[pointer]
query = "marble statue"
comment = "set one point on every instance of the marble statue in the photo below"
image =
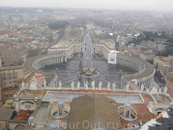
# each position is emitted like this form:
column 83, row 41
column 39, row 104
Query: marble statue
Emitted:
column 78, row 85
column 100, row 85
column 33, row 84
column 108, row 86
column 165, row 89
column 160, row 90
column 127, row 87
column 154, row 90
column 93, row 85
column 142, row 87
column 44, row 83
column 113, row 86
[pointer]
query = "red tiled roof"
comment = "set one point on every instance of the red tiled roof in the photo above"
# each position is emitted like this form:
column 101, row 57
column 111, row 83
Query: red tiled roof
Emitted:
column 2, row 44
column 23, row 115
column 128, row 124
column 39, row 76
column 26, row 74
column 28, row 39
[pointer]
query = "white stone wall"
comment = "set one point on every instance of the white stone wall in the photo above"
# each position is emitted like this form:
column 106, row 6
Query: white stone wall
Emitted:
column 13, row 125
column 112, row 58
column 24, row 104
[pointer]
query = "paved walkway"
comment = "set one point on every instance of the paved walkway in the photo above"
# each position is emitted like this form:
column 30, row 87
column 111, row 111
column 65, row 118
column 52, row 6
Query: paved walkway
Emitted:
column 42, row 115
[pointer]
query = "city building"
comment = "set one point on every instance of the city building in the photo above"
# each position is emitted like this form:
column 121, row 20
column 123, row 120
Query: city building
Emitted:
column 144, row 53
column 164, row 65
column 160, row 61
column 69, row 44
column 5, row 116
column 15, row 51
column 88, row 76
column 11, row 61
column 10, row 80
column 3, row 47
column 169, row 85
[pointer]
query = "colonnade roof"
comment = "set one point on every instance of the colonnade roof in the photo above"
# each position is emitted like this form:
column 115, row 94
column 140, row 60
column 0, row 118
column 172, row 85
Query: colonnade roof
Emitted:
column 148, row 70
column 28, row 64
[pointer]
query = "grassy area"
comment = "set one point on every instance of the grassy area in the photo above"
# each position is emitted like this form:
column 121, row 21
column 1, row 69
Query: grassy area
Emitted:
column 57, row 25
column 161, row 35
column 159, row 40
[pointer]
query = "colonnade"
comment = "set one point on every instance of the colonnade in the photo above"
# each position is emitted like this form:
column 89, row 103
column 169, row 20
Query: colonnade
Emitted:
column 145, row 71
column 48, row 60
column 131, row 62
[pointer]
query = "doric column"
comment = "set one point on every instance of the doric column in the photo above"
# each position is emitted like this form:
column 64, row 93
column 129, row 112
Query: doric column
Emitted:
column 62, row 59
column 17, row 104
column 65, row 59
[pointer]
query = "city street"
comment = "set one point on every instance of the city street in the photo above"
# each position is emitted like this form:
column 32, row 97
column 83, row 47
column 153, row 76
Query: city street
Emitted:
column 87, row 53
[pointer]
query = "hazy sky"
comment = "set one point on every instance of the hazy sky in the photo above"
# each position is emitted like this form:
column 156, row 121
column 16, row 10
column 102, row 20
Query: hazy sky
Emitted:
column 151, row 5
